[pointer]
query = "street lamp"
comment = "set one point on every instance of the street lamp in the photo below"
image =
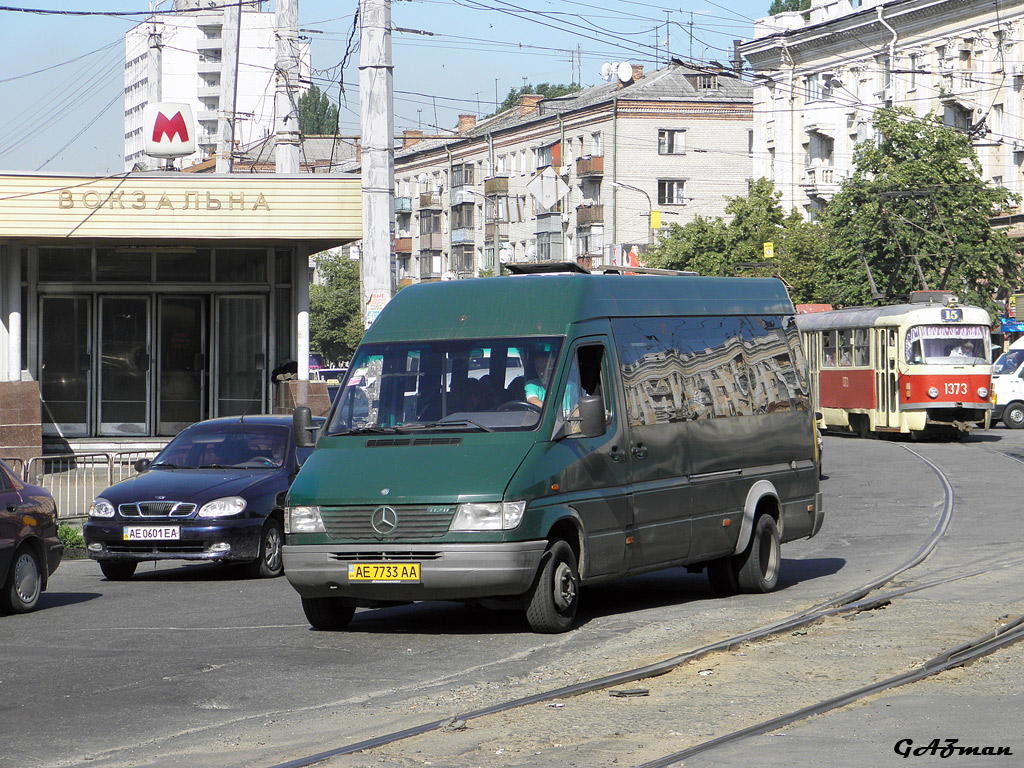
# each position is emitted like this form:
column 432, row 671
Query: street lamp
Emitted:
column 650, row 208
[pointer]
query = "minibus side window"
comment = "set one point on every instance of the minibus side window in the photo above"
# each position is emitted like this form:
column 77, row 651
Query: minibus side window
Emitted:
column 586, row 377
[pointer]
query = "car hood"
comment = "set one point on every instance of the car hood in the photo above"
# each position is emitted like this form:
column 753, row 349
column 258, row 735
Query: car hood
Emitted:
column 437, row 468
column 197, row 485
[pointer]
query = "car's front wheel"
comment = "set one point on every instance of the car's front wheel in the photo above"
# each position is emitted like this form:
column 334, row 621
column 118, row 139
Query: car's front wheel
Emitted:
column 328, row 614
column 24, row 583
column 117, row 571
column 270, row 562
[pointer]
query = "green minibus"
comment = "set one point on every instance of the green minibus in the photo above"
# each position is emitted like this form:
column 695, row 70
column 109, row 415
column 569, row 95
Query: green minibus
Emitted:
column 512, row 439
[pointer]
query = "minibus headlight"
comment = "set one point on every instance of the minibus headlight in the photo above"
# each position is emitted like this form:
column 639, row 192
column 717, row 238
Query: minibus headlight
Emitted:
column 303, row 520
column 229, row 505
column 933, row 392
column 100, row 507
column 488, row 516
column 982, row 392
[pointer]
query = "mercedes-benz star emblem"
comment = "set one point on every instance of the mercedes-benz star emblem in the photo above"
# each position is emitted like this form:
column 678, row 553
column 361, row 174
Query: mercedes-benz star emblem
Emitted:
column 384, row 520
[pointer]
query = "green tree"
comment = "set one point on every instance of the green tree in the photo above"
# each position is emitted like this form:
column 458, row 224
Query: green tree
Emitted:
column 317, row 115
column 714, row 247
column 779, row 6
column 547, row 90
column 335, row 317
column 916, row 199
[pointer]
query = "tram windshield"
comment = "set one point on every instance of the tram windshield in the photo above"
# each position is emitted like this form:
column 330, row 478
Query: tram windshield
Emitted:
column 948, row 345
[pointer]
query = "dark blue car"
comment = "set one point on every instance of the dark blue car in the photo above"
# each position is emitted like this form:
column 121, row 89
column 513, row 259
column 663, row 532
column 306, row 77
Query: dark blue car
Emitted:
column 216, row 492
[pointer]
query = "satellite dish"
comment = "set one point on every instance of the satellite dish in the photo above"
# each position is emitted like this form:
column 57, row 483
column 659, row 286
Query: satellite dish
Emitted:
column 625, row 72
column 606, row 71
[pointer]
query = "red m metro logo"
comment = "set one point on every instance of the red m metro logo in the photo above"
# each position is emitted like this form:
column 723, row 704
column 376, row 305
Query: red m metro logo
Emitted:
column 170, row 128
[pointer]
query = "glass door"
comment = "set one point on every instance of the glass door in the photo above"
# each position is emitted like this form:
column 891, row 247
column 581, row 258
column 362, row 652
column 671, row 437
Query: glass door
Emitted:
column 124, row 380
column 241, row 375
column 65, row 362
column 181, row 364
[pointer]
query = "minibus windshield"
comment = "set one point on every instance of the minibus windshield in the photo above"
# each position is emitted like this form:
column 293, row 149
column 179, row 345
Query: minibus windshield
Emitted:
column 948, row 345
column 1008, row 362
column 448, row 385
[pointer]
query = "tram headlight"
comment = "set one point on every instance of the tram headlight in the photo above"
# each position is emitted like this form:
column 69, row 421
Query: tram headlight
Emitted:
column 933, row 392
column 982, row 393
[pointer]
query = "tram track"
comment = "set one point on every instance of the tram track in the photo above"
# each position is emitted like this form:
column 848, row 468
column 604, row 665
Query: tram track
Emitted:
column 852, row 600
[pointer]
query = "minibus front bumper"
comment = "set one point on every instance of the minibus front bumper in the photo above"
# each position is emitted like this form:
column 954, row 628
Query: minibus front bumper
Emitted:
column 446, row 571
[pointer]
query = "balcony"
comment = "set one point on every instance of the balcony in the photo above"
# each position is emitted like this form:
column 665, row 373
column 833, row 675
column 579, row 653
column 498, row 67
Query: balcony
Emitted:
column 403, row 245
column 463, row 196
column 822, row 181
column 464, row 235
column 208, row 65
column 590, row 166
column 209, row 44
column 589, row 214
column 497, row 229
column 430, row 201
column 403, row 204
column 432, row 241
column 496, row 185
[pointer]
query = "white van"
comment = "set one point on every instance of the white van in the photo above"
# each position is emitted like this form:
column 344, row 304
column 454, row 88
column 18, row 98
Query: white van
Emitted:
column 1008, row 386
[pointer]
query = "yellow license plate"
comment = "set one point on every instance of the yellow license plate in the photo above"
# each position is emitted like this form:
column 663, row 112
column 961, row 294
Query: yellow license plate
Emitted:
column 384, row 572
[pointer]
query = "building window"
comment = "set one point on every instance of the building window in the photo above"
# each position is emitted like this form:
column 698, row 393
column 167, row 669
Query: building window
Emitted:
column 672, row 192
column 462, row 216
column 462, row 175
column 596, row 144
column 707, row 82
column 914, row 64
column 430, row 223
column 671, row 142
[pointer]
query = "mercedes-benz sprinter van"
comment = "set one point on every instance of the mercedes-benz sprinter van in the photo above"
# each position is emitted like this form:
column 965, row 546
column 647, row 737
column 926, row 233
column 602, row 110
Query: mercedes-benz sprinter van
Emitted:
column 624, row 424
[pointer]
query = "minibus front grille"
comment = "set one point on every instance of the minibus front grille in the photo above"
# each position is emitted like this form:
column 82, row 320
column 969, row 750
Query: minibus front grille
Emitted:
column 414, row 522
column 391, row 555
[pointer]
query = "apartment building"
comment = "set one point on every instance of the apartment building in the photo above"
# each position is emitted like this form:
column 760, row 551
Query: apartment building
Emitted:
column 575, row 177
column 820, row 75
column 191, row 72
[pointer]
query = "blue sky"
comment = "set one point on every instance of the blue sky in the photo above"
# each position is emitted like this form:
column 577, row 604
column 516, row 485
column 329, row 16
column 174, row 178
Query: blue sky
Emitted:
column 61, row 76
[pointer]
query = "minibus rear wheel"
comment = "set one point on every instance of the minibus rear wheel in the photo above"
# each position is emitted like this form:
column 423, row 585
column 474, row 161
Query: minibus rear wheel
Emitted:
column 759, row 564
column 555, row 594
column 328, row 614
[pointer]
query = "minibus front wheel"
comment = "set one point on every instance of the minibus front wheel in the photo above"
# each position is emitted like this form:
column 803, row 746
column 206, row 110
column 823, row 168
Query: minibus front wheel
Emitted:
column 556, row 591
column 758, row 566
column 327, row 614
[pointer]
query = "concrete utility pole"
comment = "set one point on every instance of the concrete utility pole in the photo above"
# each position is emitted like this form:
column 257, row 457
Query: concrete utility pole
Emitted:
column 377, row 126
column 154, row 61
column 231, row 32
column 286, row 143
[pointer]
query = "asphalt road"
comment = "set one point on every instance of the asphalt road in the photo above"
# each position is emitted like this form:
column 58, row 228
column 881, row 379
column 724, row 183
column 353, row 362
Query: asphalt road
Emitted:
column 196, row 665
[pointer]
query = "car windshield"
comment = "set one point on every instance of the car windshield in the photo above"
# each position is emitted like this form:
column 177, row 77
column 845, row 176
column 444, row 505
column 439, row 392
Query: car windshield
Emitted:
column 948, row 345
column 1009, row 361
column 219, row 445
column 449, row 385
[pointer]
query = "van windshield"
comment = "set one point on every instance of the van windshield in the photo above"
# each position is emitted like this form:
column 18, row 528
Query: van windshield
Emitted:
column 448, row 385
column 1009, row 362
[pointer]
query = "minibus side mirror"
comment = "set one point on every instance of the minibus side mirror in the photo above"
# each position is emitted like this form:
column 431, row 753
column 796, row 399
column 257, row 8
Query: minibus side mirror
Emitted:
column 302, row 426
column 592, row 419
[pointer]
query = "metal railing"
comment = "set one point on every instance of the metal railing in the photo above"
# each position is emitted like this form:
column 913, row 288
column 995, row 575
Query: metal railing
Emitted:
column 75, row 479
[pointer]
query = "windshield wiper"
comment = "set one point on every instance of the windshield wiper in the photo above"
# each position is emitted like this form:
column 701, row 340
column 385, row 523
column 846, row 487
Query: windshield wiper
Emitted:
column 165, row 465
column 448, row 423
column 367, row 431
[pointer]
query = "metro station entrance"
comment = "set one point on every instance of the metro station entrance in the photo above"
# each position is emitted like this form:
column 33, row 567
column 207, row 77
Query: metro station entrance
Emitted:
column 146, row 359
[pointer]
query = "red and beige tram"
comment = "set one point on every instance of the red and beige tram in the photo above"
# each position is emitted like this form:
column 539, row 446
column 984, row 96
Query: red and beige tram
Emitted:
column 907, row 368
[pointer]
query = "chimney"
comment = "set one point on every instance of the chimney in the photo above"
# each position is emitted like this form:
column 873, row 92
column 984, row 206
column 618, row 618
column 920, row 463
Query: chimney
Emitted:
column 528, row 103
column 466, row 123
column 638, row 71
column 411, row 137
column 359, row 150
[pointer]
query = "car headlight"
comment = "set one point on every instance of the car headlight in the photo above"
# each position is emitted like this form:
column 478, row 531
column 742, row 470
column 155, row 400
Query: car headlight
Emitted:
column 229, row 505
column 933, row 392
column 100, row 507
column 303, row 520
column 982, row 392
column 488, row 516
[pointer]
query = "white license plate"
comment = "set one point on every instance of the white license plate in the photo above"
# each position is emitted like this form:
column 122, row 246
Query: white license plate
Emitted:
column 152, row 532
